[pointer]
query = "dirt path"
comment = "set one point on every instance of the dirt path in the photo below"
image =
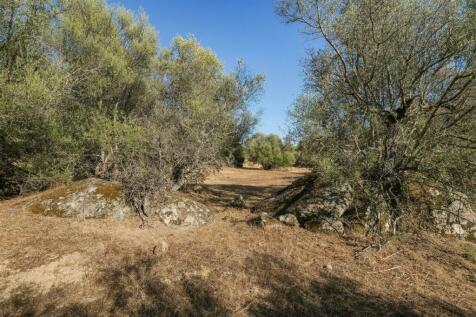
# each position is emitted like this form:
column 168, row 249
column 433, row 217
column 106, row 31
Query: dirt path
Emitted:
column 252, row 183
column 65, row 267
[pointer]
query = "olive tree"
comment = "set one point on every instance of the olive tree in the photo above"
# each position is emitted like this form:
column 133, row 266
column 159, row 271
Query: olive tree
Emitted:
column 391, row 93
column 269, row 151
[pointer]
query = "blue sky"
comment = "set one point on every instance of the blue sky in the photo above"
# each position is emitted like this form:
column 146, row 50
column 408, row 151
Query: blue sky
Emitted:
column 235, row 29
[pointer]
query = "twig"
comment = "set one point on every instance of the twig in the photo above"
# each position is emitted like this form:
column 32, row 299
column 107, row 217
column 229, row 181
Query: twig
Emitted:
column 244, row 308
column 390, row 269
column 388, row 257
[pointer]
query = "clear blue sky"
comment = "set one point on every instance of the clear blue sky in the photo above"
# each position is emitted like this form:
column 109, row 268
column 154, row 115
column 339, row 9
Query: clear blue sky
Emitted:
column 235, row 29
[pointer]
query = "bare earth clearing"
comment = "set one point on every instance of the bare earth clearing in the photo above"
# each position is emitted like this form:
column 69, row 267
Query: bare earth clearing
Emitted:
column 64, row 267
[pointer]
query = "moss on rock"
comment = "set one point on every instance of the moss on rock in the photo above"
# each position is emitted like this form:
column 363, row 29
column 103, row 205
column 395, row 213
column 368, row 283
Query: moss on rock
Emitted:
column 90, row 198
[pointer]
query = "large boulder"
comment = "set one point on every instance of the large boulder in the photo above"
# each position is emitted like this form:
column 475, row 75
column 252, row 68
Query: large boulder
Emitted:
column 180, row 212
column 315, row 205
column 90, row 198
column 331, row 202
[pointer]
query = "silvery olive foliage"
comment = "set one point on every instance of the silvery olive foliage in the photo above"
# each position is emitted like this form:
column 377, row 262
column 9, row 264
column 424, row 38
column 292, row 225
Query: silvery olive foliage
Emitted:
column 391, row 94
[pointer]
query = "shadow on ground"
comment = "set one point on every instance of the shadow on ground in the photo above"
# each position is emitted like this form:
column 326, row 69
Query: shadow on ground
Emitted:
column 290, row 294
column 133, row 287
column 221, row 194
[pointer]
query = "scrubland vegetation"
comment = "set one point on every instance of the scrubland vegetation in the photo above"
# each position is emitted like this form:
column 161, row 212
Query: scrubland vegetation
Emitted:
column 86, row 91
column 373, row 214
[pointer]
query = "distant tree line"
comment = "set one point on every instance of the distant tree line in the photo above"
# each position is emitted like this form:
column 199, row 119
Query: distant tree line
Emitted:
column 86, row 91
column 270, row 151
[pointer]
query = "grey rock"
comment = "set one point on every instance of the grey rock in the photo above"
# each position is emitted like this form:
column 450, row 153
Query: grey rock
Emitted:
column 331, row 202
column 265, row 221
column 310, row 199
column 163, row 246
column 160, row 247
column 91, row 198
column 197, row 188
column 316, row 206
column 238, row 202
column 289, row 219
column 472, row 232
column 184, row 212
column 325, row 224
column 456, row 218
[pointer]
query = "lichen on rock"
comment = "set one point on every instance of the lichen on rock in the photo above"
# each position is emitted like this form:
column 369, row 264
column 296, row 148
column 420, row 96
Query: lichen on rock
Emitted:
column 180, row 212
column 90, row 198
column 321, row 206
column 316, row 206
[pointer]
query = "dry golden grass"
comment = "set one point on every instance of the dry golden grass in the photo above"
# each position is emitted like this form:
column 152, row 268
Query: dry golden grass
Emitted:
column 102, row 267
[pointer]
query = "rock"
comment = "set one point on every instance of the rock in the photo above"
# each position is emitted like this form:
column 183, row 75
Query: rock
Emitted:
column 90, row 198
column 450, row 211
column 278, row 203
column 457, row 230
column 289, row 219
column 455, row 218
column 265, row 221
column 197, row 188
column 307, row 198
column 238, row 202
column 325, row 224
column 162, row 246
column 472, row 233
column 317, row 206
column 182, row 212
column 332, row 201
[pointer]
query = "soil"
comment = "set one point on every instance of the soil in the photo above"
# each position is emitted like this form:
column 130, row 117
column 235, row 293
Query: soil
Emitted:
column 53, row 266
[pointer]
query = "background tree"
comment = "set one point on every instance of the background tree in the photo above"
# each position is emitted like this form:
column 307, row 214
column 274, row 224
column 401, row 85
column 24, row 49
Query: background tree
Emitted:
column 392, row 93
column 269, row 151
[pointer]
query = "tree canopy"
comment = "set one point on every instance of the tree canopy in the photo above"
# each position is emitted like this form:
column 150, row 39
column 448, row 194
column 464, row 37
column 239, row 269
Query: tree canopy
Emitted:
column 85, row 90
column 391, row 94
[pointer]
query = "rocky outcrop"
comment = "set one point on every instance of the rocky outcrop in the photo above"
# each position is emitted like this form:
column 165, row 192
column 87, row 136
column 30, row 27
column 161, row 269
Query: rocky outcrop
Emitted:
column 320, row 206
column 90, row 198
column 314, row 205
column 96, row 198
column 180, row 212
column 456, row 217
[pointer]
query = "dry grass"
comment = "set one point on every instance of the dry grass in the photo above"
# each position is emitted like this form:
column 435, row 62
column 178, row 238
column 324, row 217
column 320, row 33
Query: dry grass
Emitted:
column 224, row 269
